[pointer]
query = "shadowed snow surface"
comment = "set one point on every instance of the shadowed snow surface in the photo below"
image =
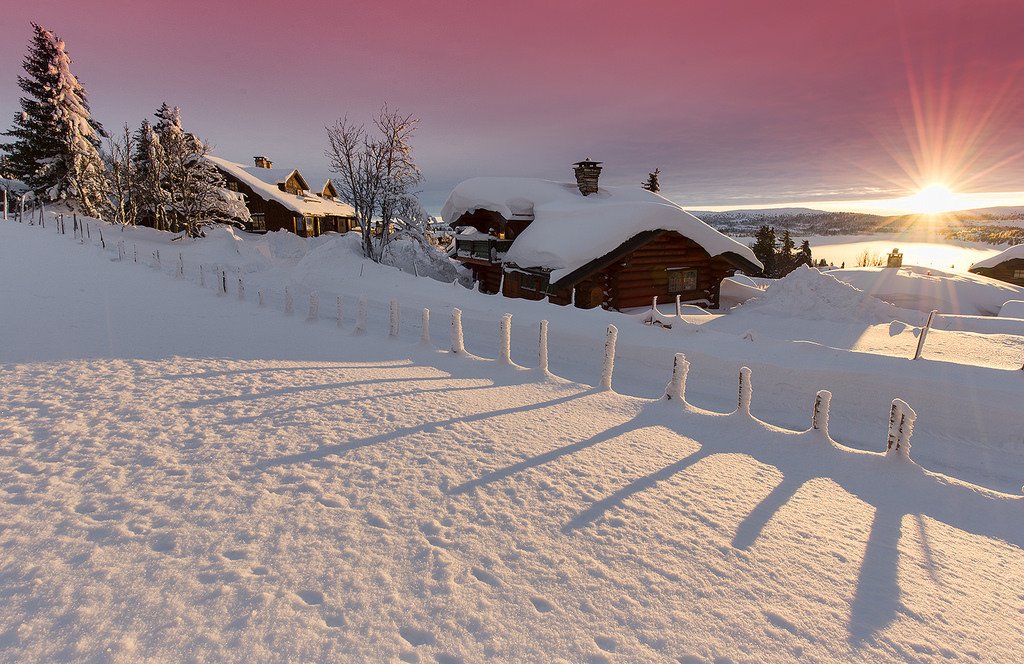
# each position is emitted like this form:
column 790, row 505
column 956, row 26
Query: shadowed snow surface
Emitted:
column 187, row 476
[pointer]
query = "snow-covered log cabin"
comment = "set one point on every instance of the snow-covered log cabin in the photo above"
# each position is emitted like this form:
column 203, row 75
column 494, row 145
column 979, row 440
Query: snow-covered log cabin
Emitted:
column 281, row 199
column 583, row 244
column 1007, row 266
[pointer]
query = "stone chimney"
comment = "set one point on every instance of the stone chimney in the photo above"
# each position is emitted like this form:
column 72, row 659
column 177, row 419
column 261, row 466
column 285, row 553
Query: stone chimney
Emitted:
column 587, row 174
column 263, row 162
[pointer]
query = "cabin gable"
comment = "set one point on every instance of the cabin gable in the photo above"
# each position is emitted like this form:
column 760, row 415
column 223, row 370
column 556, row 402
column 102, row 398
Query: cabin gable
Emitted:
column 1011, row 271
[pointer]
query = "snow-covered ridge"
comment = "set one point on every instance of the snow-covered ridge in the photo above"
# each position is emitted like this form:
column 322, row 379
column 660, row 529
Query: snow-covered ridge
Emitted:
column 264, row 182
column 569, row 229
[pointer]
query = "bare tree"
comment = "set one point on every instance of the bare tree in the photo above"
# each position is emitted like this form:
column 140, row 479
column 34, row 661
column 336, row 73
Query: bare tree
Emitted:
column 123, row 179
column 375, row 172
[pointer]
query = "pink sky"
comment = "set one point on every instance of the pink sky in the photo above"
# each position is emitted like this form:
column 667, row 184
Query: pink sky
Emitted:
column 738, row 103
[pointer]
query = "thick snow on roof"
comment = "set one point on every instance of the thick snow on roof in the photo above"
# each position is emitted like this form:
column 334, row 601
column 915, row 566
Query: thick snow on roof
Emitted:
column 570, row 230
column 264, row 181
column 1016, row 251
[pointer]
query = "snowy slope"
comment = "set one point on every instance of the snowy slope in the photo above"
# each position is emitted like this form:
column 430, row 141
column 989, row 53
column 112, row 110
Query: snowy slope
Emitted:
column 190, row 476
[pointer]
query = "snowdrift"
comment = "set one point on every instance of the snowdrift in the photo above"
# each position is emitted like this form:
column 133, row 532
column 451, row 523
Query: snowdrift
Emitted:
column 925, row 289
column 809, row 293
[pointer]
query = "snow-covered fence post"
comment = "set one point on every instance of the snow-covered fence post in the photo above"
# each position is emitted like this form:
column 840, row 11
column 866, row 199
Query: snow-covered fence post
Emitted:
column 314, row 307
column 679, row 306
column 458, row 340
column 654, row 303
column 156, row 257
column 338, row 311
column 901, row 426
column 241, row 289
column 394, row 318
column 361, row 315
column 924, row 333
column 103, row 244
column 425, row 327
column 42, row 215
column 181, row 267
column 289, row 303
column 819, row 416
column 260, row 298
column 609, row 357
column 506, row 339
column 542, row 348
column 676, row 389
column 88, row 231
column 745, row 392
column 224, row 281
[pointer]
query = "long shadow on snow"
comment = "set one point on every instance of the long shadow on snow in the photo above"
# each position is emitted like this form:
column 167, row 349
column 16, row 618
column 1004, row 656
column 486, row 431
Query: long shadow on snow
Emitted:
column 341, row 448
column 895, row 488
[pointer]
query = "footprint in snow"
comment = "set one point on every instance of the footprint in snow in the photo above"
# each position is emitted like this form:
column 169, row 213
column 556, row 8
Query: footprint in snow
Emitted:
column 416, row 637
column 234, row 554
column 542, row 605
column 606, row 643
column 377, row 521
column 311, row 597
column 329, row 502
column 484, row 576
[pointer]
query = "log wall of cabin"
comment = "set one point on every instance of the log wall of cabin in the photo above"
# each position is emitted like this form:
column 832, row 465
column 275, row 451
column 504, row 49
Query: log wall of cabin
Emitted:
column 276, row 216
column 487, row 276
column 633, row 280
column 1004, row 271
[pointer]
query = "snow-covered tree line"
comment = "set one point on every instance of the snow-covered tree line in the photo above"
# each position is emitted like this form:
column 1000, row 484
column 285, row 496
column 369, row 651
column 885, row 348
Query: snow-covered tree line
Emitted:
column 158, row 174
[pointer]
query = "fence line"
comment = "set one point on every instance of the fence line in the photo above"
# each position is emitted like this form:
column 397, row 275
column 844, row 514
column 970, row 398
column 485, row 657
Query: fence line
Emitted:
column 902, row 417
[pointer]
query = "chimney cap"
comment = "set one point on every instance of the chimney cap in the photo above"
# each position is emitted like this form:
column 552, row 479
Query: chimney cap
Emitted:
column 588, row 162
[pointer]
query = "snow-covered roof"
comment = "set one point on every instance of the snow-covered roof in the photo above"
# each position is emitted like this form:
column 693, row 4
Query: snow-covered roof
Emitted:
column 569, row 230
column 263, row 181
column 1016, row 251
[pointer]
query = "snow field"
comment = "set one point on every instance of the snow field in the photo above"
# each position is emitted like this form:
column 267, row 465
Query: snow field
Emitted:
column 195, row 477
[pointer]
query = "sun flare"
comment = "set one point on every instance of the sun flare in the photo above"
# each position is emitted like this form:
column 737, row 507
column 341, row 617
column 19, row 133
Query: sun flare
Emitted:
column 934, row 198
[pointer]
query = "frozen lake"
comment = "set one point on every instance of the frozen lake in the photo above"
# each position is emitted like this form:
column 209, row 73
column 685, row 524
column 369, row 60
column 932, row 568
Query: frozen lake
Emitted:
column 919, row 248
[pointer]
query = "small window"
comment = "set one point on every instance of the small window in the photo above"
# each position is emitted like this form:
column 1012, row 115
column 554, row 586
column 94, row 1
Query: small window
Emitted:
column 232, row 186
column 259, row 221
column 1018, row 274
column 531, row 282
column 681, row 281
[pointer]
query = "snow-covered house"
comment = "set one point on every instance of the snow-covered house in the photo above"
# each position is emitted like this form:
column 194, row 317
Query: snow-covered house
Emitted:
column 1007, row 266
column 578, row 242
column 281, row 199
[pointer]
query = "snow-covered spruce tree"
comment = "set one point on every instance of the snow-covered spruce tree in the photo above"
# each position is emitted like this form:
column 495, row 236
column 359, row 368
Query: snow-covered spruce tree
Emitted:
column 150, row 196
column 196, row 192
column 374, row 173
column 56, row 147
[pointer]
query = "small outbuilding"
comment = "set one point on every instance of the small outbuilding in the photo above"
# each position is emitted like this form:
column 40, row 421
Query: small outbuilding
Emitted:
column 281, row 199
column 591, row 246
column 1007, row 266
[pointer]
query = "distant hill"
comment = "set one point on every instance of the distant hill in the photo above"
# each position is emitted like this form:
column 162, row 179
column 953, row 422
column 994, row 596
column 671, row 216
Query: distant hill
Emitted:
column 981, row 225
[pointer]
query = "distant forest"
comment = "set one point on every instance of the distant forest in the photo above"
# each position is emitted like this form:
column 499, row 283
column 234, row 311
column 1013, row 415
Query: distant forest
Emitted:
column 975, row 226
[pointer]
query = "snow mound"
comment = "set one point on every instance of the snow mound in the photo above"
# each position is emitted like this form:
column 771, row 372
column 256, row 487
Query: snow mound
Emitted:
column 925, row 289
column 808, row 293
column 1012, row 309
column 414, row 257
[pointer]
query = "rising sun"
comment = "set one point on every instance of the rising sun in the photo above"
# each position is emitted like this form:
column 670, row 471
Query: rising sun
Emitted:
column 934, row 198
